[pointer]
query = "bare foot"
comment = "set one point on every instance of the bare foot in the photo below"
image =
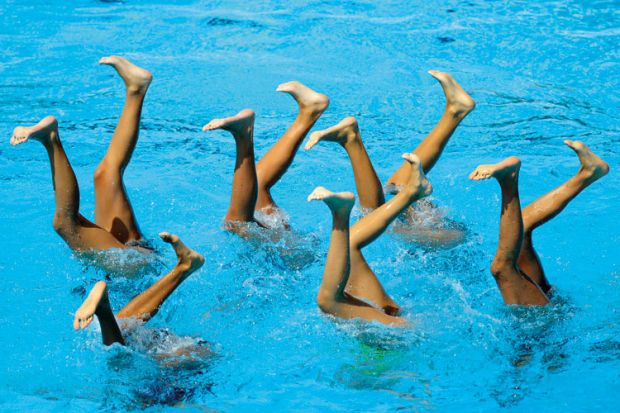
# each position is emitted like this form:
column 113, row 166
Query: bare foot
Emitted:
column 309, row 101
column 336, row 201
column 241, row 125
column 189, row 260
column 97, row 299
column 417, row 183
column 345, row 132
column 457, row 100
column 43, row 131
column 508, row 168
column 592, row 167
column 137, row 80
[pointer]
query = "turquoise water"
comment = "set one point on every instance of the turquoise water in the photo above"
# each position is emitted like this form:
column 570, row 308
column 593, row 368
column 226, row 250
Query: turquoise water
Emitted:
column 539, row 73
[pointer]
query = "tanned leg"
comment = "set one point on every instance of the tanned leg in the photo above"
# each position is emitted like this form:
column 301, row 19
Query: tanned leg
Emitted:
column 458, row 105
column 98, row 304
column 516, row 287
column 276, row 161
column 113, row 210
column 77, row 231
column 146, row 305
column 332, row 298
column 347, row 134
column 244, row 190
column 551, row 204
column 363, row 283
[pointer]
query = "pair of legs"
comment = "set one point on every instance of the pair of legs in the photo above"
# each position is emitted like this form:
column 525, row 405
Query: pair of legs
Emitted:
column 345, row 247
column 362, row 280
column 516, row 267
column 252, row 182
column 115, row 223
column 145, row 305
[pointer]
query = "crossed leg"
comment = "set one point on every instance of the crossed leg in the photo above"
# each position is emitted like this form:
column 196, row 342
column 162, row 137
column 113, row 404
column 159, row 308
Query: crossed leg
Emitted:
column 277, row 160
column 145, row 305
column 113, row 210
column 363, row 282
column 515, row 286
column 332, row 298
column 551, row 204
column 78, row 232
column 355, row 280
column 251, row 182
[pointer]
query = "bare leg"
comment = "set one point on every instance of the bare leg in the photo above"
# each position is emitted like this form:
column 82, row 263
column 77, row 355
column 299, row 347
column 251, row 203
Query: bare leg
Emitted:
column 98, row 304
column 516, row 287
column 347, row 134
column 113, row 210
column 76, row 230
column 244, row 190
column 146, row 305
column 363, row 283
column 458, row 105
column 276, row 161
column 551, row 204
column 332, row 297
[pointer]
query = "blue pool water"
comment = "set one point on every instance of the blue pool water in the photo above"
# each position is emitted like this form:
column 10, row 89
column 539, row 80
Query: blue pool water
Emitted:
column 539, row 71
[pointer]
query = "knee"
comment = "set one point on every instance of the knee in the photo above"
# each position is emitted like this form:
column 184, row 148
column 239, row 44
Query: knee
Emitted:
column 61, row 224
column 324, row 301
column 106, row 172
column 500, row 267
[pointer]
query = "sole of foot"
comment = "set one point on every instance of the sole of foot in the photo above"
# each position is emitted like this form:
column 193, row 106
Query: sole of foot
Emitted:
column 86, row 313
column 592, row 166
column 241, row 122
column 189, row 259
column 457, row 100
column 509, row 167
column 308, row 99
column 345, row 131
column 41, row 131
column 136, row 79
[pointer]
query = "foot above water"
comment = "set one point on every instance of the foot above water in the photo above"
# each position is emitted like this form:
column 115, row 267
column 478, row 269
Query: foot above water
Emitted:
column 509, row 167
column 239, row 125
column 42, row 131
column 346, row 131
column 457, row 100
column 137, row 80
column 309, row 100
column 592, row 166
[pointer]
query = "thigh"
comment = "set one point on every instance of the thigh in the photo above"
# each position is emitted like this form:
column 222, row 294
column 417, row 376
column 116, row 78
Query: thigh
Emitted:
column 113, row 210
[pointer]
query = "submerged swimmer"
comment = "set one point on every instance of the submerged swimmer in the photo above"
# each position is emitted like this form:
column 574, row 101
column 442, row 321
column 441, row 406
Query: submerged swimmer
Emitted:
column 144, row 306
column 252, row 182
column 369, row 189
column 115, row 224
column 516, row 267
column 350, row 289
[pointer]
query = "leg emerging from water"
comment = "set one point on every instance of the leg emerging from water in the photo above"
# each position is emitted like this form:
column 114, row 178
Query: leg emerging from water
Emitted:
column 276, row 161
column 363, row 283
column 347, row 134
column 516, row 287
column 458, row 105
column 113, row 211
column 245, row 186
column 146, row 305
column 551, row 204
column 332, row 297
column 98, row 304
column 76, row 230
